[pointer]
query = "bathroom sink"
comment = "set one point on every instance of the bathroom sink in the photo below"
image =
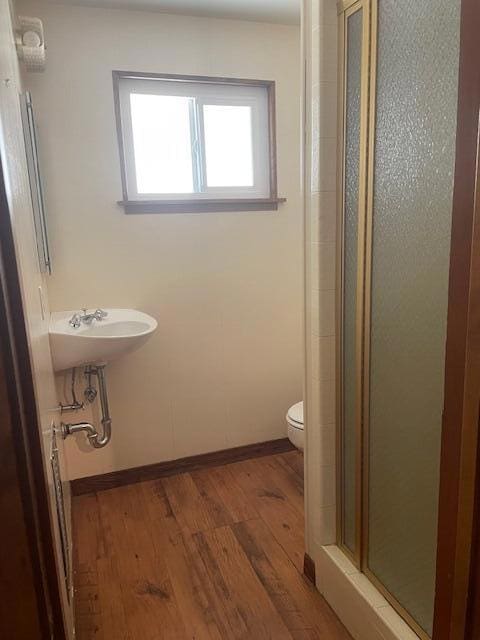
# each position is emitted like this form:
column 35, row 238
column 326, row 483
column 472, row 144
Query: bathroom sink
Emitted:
column 122, row 330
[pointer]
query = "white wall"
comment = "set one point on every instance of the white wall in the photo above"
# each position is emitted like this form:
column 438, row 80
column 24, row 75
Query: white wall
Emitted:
column 14, row 166
column 226, row 288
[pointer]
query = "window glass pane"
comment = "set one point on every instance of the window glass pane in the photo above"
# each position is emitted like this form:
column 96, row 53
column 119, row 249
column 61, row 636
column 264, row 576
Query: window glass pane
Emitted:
column 162, row 143
column 228, row 145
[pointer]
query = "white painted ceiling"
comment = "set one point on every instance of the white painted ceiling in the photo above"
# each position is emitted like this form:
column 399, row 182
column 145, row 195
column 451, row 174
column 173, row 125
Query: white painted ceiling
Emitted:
column 279, row 11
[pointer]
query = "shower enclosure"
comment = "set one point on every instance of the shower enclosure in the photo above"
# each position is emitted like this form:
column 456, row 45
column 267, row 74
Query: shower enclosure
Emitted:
column 398, row 109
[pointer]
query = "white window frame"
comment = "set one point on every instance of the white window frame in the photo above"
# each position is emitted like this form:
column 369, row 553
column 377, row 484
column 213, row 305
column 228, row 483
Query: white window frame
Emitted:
column 259, row 95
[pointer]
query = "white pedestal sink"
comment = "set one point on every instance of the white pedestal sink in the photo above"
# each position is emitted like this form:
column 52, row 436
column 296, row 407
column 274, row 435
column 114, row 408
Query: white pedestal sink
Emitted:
column 122, row 330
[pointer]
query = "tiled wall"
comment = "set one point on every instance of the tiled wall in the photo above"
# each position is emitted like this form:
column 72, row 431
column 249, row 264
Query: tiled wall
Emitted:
column 320, row 43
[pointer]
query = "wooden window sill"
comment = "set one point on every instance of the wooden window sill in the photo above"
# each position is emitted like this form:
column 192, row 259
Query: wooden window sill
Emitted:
column 201, row 206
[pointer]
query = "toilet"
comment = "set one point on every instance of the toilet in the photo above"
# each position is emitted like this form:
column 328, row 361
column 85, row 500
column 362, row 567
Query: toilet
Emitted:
column 295, row 425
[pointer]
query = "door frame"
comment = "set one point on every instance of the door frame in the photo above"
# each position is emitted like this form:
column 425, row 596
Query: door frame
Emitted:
column 30, row 596
column 459, row 465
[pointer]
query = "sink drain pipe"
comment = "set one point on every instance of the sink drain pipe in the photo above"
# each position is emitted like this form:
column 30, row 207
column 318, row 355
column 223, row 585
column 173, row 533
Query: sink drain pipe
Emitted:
column 96, row 440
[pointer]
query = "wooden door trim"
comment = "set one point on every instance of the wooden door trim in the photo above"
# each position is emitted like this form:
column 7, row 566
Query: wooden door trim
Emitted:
column 459, row 461
column 473, row 604
column 16, row 372
column 20, row 612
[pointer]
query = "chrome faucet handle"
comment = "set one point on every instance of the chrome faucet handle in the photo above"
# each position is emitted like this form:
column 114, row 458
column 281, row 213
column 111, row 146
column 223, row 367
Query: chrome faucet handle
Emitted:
column 87, row 318
column 100, row 314
column 75, row 321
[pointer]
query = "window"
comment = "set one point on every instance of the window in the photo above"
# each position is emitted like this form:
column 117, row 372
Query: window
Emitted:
column 195, row 144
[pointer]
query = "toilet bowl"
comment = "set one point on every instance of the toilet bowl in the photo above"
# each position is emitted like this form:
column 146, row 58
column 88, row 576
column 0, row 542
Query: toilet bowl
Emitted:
column 295, row 425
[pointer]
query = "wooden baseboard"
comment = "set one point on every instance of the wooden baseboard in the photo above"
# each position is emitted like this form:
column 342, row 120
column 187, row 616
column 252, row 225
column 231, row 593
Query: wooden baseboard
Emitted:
column 173, row 467
column 309, row 569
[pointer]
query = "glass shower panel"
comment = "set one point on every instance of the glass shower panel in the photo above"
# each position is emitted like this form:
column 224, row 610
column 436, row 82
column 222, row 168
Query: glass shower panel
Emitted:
column 416, row 110
column 353, row 76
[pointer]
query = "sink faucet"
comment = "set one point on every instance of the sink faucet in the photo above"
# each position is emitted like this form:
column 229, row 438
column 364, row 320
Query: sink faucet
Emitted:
column 86, row 318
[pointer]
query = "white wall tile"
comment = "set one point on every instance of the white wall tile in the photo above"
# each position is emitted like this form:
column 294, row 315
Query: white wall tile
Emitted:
column 314, row 15
column 323, row 474
column 323, row 216
column 324, row 59
column 323, row 262
column 321, row 239
column 327, row 525
column 323, row 357
column 324, row 169
column 323, row 312
column 324, row 110
column 326, row 401
column 327, row 444
column 324, row 12
column 327, row 486
column 328, row 164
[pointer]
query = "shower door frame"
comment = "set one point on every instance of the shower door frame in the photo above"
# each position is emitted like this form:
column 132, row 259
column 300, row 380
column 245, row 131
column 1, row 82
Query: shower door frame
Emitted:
column 455, row 600
column 363, row 301
column 347, row 8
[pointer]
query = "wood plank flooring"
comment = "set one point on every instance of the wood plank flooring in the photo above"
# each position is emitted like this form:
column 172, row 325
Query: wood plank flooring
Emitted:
column 211, row 555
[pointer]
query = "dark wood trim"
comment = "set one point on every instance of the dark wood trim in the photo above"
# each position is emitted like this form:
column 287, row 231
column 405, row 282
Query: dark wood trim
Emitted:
column 272, row 139
column 175, row 467
column 199, row 205
column 26, row 456
column 473, row 606
column 116, row 76
column 309, row 570
column 176, row 77
column 20, row 610
column 459, row 463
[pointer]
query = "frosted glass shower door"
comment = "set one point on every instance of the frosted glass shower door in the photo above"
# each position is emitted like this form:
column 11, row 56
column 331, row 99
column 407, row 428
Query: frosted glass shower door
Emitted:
column 413, row 120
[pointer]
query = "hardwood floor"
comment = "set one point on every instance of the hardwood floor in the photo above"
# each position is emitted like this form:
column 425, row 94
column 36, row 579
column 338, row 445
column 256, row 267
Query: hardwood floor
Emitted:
column 211, row 555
